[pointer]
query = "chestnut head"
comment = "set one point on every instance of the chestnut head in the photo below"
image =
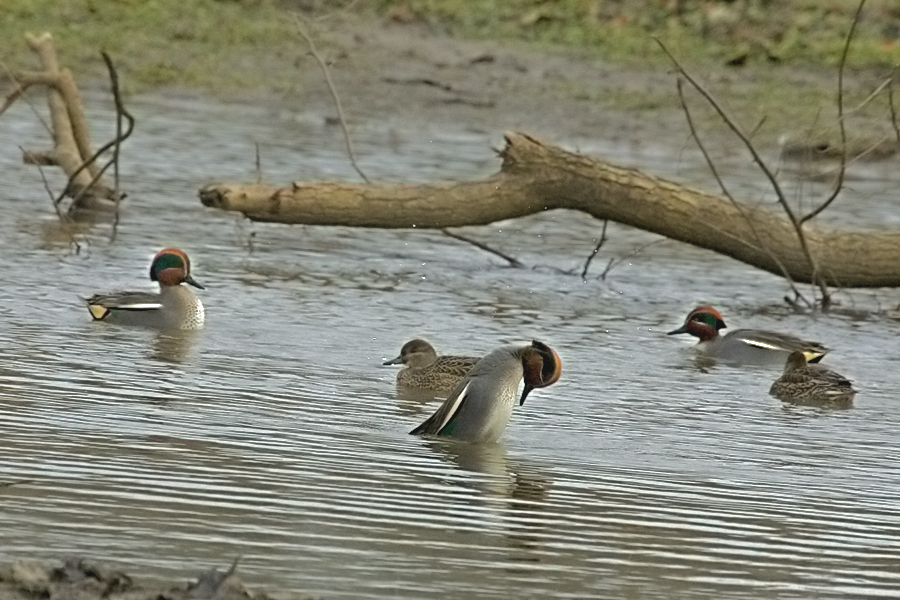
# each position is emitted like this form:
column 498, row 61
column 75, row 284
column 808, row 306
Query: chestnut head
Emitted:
column 703, row 322
column 541, row 365
column 171, row 267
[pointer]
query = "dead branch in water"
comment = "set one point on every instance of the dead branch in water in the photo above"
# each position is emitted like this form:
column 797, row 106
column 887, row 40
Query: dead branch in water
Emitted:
column 796, row 222
column 72, row 150
column 121, row 136
column 590, row 258
column 535, row 177
column 724, row 188
column 757, row 159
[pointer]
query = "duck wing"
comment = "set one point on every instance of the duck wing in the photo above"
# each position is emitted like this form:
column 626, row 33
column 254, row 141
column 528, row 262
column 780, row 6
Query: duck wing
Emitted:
column 825, row 377
column 455, row 365
column 772, row 340
column 101, row 305
column 444, row 415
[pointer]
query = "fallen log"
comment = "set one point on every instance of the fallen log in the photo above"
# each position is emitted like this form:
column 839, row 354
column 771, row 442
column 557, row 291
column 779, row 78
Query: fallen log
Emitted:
column 535, row 177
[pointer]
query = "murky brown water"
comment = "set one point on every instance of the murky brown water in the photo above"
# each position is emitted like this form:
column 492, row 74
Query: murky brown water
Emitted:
column 275, row 434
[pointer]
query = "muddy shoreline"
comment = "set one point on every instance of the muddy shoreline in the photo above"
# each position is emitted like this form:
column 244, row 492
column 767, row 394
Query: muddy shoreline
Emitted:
column 393, row 72
column 82, row 579
column 412, row 72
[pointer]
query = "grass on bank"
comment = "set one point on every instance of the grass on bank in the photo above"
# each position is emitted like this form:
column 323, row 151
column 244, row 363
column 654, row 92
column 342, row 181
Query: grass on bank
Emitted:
column 214, row 44
column 206, row 44
column 233, row 45
column 794, row 31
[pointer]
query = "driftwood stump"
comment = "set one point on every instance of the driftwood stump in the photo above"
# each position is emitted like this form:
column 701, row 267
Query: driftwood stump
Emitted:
column 72, row 150
column 536, row 177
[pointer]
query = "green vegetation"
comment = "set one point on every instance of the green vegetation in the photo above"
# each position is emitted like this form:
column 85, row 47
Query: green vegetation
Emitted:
column 202, row 43
column 234, row 45
column 808, row 31
column 218, row 44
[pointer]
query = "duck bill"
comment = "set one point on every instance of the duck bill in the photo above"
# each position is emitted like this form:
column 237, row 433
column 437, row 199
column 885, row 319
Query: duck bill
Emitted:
column 393, row 361
column 682, row 329
column 190, row 281
column 525, row 392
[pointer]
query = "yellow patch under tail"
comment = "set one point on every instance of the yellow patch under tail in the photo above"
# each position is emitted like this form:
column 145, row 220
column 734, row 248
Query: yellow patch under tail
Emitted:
column 813, row 355
column 98, row 312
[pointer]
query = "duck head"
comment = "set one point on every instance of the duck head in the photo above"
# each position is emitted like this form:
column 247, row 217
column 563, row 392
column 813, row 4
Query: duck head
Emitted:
column 415, row 353
column 172, row 266
column 795, row 360
column 703, row 322
column 542, row 367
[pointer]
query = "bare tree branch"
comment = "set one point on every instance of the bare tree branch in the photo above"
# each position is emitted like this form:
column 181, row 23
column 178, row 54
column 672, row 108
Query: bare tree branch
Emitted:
column 120, row 137
column 782, row 199
column 513, row 262
column 839, row 184
column 334, row 96
column 587, row 262
column 114, row 143
column 64, row 219
column 893, row 110
column 614, row 262
column 712, row 167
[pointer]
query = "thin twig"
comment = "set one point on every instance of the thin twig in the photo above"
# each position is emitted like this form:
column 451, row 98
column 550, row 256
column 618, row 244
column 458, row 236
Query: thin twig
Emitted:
column 614, row 262
column 334, row 96
column 839, row 184
column 65, row 220
column 679, row 84
column 587, row 262
column 20, row 91
column 117, row 142
column 893, row 110
column 759, row 125
column 121, row 111
column 513, row 262
column 14, row 95
column 868, row 98
column 259, row 175
column 350, row 6
column 782, row 200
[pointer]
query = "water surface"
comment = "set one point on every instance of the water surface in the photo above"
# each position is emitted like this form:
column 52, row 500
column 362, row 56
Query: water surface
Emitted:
column 276, row 434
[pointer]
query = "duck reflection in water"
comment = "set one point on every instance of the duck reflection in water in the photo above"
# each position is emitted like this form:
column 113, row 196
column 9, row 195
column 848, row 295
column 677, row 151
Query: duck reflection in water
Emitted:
column 518, row 491
column 175, row 346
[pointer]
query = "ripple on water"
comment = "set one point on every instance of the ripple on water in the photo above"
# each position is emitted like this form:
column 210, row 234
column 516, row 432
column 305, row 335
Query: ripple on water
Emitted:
column 277, row 435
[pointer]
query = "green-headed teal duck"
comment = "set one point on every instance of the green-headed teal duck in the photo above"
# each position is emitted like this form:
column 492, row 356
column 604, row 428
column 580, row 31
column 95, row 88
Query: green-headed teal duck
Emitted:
column 743, row 345
column 425, row 370
column 803, row 383
column 174, row 307
column 480, row 406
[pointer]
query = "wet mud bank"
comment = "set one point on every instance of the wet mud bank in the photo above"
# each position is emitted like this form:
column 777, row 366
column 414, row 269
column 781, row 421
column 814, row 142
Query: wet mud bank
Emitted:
column 80, row 579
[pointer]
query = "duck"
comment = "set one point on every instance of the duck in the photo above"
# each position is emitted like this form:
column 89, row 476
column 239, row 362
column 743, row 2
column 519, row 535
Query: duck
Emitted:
column 812, row 384
column 478, row 409
column 425, row 370
column 748, row 346
column 174, row 307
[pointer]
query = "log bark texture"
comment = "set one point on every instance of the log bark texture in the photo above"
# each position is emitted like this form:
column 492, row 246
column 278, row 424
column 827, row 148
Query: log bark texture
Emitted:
column 536, row 177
